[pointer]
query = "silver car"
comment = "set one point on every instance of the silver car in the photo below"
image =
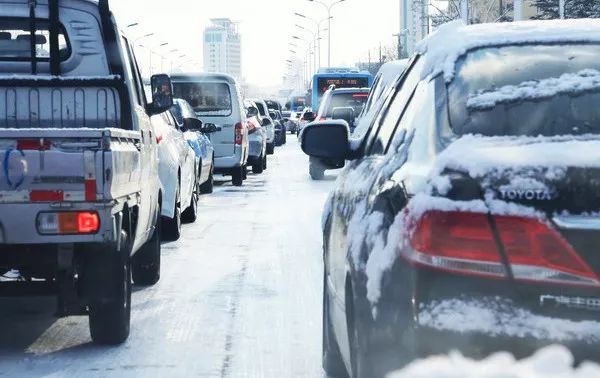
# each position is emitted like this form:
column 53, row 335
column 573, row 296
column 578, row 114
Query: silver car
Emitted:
column 216, row 99
column 267, row 123
column 257, row 136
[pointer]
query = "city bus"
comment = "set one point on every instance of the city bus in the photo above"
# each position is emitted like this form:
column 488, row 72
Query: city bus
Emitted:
column 341, row 78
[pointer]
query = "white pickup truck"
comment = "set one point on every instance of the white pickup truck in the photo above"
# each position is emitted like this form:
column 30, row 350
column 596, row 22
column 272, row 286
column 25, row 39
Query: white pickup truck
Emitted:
column 79, row 189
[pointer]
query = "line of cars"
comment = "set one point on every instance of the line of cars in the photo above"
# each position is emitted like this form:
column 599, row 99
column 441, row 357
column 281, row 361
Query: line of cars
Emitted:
column 97, row 168
column 467, row 215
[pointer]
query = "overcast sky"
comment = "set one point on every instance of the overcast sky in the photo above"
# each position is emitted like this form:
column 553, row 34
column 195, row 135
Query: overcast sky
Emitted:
column 267, row 27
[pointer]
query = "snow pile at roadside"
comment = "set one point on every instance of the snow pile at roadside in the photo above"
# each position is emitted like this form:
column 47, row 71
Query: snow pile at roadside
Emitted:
column 452, row 40
column 551, row 362
column 569, row 83
column 496, row 316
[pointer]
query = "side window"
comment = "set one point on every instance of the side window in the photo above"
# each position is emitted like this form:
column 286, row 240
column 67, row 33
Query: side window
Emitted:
column 128, row 71
column 137, row 75
column 390, row 117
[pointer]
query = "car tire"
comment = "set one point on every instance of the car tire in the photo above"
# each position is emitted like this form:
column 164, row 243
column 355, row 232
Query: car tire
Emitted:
column 209, row 185
column 270, row 148
column 245, row 173
column 190, row 214
column 172, row 226
column 265, row 163
column 145, row 265
column 333, row 364
column 258, row 166
column 110, row 320
column 237, row 177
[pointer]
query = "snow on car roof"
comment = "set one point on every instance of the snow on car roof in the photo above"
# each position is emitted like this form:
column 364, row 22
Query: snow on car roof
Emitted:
column 452, row 40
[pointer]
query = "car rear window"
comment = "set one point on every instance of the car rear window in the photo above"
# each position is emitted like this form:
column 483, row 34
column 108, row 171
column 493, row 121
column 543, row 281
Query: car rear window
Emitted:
column 207, row 99
column 355, row 100
column 15, row 40
column 527, row 90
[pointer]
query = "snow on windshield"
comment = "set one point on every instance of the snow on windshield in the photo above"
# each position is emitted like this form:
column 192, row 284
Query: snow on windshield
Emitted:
column 572, row 84
column 452, row 40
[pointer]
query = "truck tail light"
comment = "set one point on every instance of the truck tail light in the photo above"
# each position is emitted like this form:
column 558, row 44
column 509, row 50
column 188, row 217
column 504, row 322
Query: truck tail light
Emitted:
column 68, row 223
column 464, row 243
column 239, row 133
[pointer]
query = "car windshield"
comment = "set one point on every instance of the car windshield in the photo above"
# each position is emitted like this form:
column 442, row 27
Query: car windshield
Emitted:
column 528, row 90
column 355, row 100
column 207, row 99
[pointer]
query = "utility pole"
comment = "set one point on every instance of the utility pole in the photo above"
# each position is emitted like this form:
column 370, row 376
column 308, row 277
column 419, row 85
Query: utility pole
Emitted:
column 518, row 11
column 561, row 9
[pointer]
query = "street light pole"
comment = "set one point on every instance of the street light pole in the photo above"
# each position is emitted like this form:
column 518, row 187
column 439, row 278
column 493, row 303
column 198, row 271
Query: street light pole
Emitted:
column 328, row 8
column 319, row 29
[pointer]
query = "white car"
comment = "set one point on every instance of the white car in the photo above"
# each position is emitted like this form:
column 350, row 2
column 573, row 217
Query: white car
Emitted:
column 177, row 171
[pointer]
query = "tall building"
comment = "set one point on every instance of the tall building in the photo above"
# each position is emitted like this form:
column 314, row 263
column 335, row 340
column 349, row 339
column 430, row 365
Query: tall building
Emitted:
column 222, row 48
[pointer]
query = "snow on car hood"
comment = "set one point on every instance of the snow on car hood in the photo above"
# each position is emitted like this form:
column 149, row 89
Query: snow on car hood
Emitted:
column 452, row 40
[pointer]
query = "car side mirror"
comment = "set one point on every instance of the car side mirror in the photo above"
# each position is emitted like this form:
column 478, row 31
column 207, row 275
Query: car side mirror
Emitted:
column 251, row 112
column 309, row 116
column 193, row 124
column 162, row 94
column 210, row 128
column 326, row 140
column 285, row 120
column 345, row 113
column 265, row 122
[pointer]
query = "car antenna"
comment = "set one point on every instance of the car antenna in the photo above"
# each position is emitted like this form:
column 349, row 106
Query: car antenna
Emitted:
column 32, row 31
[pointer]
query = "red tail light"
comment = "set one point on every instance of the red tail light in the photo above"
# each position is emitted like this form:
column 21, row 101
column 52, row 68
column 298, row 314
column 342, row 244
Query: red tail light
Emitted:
column 33, row 144
column 457, row 242
column 463, row 242
column 537, row 252
column 239, row 133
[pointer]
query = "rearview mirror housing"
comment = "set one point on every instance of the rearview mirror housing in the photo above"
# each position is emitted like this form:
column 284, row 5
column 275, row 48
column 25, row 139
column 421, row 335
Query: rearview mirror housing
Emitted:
column 265, row 122
column 162, row 94
column 210, row 128
column 192, row 124
column 326, row 140
column 251, row 112
column 309, row 116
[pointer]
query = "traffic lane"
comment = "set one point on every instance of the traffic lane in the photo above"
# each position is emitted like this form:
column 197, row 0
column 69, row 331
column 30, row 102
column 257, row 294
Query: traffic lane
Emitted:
column 240, row 294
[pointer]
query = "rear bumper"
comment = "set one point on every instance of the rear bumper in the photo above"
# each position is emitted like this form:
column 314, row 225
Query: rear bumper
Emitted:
column 225, row 163
column 444, row 312
column 18, row 224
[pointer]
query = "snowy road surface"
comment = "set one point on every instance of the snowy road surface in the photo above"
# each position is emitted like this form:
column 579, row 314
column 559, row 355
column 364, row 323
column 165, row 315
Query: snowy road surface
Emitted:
column 239, row 295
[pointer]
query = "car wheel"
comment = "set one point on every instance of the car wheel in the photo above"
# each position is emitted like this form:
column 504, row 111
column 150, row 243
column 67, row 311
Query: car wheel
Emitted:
column 208, row 186
column 265, row 162
column 145, row 266
column 172, row 226
column 270, row 148
column 333, row 364
column 110, row 319
column 190, row 214
column 245, row 172
column 258, row 166
column 237, row 177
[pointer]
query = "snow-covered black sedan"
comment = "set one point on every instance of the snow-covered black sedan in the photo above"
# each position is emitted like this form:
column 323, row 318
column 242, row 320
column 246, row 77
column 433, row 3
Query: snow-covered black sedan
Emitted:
column 468, row 216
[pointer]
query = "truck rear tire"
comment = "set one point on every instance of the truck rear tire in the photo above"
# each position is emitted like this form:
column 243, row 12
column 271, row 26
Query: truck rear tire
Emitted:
column 145, row 266
column 237, row 177
column 110, row 318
